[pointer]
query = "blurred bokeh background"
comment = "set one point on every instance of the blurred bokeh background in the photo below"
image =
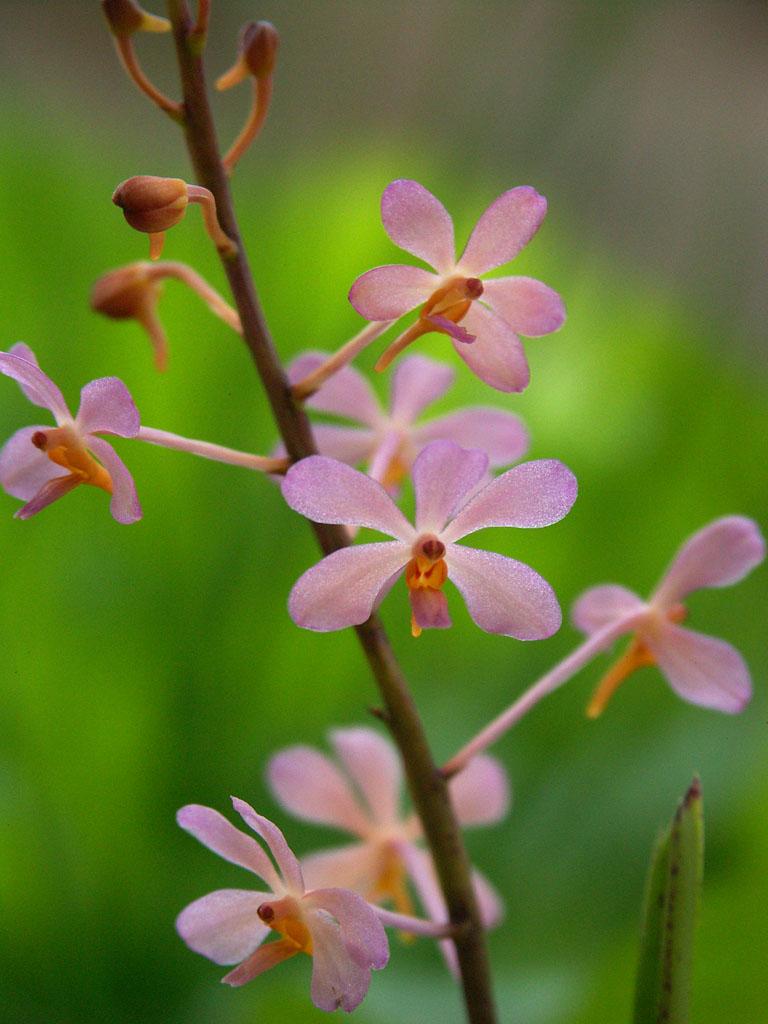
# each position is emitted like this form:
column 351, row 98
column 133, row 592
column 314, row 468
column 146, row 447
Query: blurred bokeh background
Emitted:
column 149, row 666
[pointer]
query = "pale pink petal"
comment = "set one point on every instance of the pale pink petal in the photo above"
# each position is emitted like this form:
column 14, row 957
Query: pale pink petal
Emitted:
column 327, row 491
column 124, row 506
column 496, row 356
column 701, row 669
column 48, row 493
column 600, row 606
column 264, row 959
column 106, row 406
column 386, row 293
column 501, row 435
column 374, row 766
column 345, row 587
column 347, row 444
column 416, row 383
column 24, row 469
column 311, row 787
column 503, row 595
column 347, row 393
column 362, row 932
column 480, row 793
column 528, row 306
column 338, row 981
column 422, row 873
column 532, row 494
column 37, row 387
column 489, row 902
column 716, row 556
column 284, row 856
column 429, row 609
column 224, row 925
column 355, row 867
column 506, row 227
column 443, row 475
column 419, row 223
column 385, row 450
column 214, row 831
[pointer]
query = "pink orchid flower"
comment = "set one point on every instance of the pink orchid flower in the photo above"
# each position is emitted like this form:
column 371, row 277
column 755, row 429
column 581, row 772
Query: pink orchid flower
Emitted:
column 701, row 669
column 41, row 464
column 363, row 797
column 334, row 926
column 390, row 440
column 485, row 334
column 502, row 595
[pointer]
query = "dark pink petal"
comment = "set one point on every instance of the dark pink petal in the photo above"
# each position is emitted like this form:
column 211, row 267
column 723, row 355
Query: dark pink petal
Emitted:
column 506, row 227
column 387, row 293
column 419, row 223
column 532, row 494
column 106, row 406
column 264, row 959
column 480, row 793
column 496, row 356
column 362, row 933
column 338, row 981
column 356, row 867
column 429, row 609
column 311, row 787
column 327, row 491
column 443, row 475
column 600, row 606
column 347, row 444
column 124, row 506
column 224, row 925
column 374, row 767
column 529, row 307
column 456, row 331
column 214, row 831
column 24, row 469
column 48, row 493
column 501, row 435
column 347, row 393
column 416, row 383
column 275, row 840
column 344, row 588
column 701, row 669
column 37, row 387
column 719, row 554
column 503, row 595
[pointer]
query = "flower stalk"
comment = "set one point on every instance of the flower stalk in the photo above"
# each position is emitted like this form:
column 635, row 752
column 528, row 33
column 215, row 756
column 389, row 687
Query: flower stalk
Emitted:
column 304, row 389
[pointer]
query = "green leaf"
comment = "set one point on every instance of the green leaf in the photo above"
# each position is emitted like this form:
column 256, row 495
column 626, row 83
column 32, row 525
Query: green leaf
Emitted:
column 672, row 893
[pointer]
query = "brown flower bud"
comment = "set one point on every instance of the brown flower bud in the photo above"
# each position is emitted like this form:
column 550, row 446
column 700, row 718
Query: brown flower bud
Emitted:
column 152, row 204
column 125, row 293
column 126, row 17
column 258, row 43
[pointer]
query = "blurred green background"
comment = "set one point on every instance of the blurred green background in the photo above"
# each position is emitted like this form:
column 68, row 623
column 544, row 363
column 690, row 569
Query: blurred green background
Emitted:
column 149, row 666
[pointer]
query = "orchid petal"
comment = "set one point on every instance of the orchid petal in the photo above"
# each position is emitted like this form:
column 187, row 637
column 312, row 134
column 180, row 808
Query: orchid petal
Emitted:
column 214, row 831
column 599, row 606
column 386, row 449
column 224, row 925
column 419, row 223
column 264, row 959
column 346, row 586
column 24, row 469
column 124, row 506
column 416, row 383
column 530, row 495
column 701, row 669
column 356, row 866
column 51, row 491
column 429, row 609
column 311, row 787
column 338, row 981
column 422, row 873
column 721, row 553
column 501, row 435
column 347, row 444
column 37, row 387
column 444, row 325
column 284, row 856
column 443, row 475
column 496, row 356
column 374, row 766
column 388, row 292
column 489, row 902
column 506, row 227
column 362, row 932
column 503, row 595
column 347, row 393
column 480, row 792
column 106, row 406
column 528, row 306
column 327, row 491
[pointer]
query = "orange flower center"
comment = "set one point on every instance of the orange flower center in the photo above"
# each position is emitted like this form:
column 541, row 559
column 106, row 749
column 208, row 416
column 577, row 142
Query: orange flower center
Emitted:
column 283, row 916
column 427, row 569
column 63, row 446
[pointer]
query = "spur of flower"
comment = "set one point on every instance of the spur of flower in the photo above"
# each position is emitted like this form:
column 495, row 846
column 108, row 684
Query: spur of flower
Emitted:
column 388, row 440
column 483, row 318
column 362, row 796
column 40, row 464
column 502, row 595
column 334, row 926
column 700, row 669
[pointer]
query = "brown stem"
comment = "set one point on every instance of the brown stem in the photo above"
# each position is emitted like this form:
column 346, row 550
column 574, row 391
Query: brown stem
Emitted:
column 427, row 786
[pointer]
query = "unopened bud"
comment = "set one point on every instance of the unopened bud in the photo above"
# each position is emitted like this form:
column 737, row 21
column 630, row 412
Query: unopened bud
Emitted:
column 126, row 17
column 152, row 204
column 258, row 45
column 125, row 293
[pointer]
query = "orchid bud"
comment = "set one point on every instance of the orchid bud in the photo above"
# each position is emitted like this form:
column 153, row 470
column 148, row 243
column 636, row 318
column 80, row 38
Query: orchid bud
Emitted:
column 152, row 204
column 126, row 17
column 125, row 293
column 258, row 45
